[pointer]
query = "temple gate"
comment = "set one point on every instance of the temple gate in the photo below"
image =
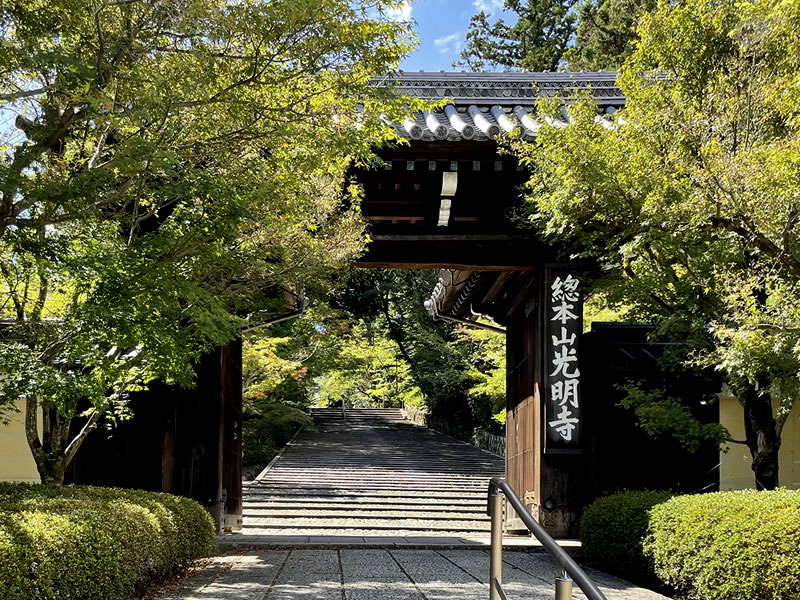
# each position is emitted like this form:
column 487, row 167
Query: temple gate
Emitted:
column 447, row 200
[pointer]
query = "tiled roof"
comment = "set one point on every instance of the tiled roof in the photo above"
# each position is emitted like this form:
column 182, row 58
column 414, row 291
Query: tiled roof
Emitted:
column 483, row 105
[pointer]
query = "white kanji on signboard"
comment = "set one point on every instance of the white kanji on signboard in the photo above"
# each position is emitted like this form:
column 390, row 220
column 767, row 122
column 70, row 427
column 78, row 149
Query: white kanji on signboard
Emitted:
column 562, row 361
column 565, row 424
column 565, row 391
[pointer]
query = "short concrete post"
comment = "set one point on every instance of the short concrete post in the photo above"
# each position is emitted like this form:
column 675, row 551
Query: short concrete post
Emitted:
column 496, row 549
column 563, row 587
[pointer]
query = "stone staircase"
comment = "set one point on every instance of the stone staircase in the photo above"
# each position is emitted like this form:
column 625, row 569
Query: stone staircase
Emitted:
column 371, row 474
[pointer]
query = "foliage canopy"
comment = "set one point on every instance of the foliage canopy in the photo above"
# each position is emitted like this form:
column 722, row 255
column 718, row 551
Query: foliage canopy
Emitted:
column 173, row 164
column 690, row 200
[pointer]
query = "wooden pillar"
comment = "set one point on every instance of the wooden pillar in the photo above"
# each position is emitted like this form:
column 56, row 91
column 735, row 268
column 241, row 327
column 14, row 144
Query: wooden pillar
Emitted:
column 544, row 467
column 213, row 467
column 231, row 391
column 523, row 410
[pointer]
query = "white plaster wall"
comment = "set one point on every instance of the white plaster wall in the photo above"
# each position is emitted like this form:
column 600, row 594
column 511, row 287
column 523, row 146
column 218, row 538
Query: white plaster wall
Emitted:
column 735, row 472
column 16, row 462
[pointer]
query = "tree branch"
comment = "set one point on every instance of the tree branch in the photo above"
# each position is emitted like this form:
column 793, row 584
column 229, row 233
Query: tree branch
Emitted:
column 26, row 93
column 733, row 441
column 76, row 442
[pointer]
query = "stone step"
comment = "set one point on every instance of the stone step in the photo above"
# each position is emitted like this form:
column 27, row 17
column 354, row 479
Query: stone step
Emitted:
column 421, row 503
column 406, row 465
column 363, row 508
column 412, row 458
column 383, row 536
column 366, row 484
column 279, row 478
column 330, row 493
column 366, row 488
column 376, row 491
column 424, row 473
column 371, row 413
column 356, row 470
column 335, row 515
column 378, row 525
column 328, row 500
column 317, row 474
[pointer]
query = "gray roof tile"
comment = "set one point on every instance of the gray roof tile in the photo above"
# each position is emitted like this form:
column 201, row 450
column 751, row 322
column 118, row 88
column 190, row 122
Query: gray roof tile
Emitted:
column 483, row 105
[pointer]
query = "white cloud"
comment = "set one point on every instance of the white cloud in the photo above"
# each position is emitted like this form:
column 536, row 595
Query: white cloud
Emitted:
column 488, row 5
column 448, row 43
column 401, row 12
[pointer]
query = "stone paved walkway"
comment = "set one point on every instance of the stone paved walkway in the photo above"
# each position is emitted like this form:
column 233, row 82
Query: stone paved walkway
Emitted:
column 374, row 574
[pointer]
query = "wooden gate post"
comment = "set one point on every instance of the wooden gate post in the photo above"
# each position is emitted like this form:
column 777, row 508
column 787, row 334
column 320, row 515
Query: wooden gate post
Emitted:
column 231, row 391
column 545, row 461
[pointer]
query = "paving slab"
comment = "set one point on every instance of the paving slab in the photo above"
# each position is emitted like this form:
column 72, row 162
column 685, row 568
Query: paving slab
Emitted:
column 383, row 574
column 244, row 540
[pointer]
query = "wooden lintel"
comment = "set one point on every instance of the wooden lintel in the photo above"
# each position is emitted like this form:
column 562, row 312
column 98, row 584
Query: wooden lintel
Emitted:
column 450, row 237
column 498, row 283
column 373, row 264
column 395, row 217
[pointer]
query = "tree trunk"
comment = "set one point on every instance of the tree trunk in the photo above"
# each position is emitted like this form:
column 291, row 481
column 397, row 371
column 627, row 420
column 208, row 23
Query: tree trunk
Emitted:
column 53, row 451
column 48, row 451
column 761, row 435
column 51, row 469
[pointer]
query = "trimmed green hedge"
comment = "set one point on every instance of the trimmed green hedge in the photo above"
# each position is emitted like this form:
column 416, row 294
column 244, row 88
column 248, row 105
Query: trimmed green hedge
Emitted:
column 94, row 543
column 612, row 530
column 729, row 545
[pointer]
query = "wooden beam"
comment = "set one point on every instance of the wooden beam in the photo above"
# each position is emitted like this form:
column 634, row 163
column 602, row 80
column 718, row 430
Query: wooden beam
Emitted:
column 444, row 150
column 464, row 255
column 498, row 283
column 449, row 237
column 395, row 218
column 521, row 296
column 438, row 264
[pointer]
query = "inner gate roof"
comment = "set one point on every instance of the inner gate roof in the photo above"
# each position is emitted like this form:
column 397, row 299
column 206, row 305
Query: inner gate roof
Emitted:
column 480, row 106
column 417, row 221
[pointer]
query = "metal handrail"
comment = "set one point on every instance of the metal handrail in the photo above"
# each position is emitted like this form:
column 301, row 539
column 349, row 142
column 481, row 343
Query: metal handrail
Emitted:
column 498, row 484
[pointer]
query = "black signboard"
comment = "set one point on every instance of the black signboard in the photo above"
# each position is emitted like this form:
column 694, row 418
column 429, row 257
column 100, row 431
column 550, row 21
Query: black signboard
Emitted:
column 563, row 324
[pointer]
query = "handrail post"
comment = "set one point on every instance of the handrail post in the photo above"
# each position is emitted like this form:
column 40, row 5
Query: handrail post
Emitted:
column 496, row 548
column 498, row 485
column 563, row 587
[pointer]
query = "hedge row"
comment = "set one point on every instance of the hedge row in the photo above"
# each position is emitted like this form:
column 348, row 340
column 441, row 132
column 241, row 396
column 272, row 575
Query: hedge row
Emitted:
column 94, row 543
column 729, row 545
column 613, row 529
column 742, row 545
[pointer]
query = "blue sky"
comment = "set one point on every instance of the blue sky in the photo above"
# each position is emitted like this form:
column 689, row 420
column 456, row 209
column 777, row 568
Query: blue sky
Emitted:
column 441, row 27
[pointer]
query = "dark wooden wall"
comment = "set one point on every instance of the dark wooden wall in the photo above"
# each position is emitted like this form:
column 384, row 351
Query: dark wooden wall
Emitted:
column 623, row 456
column 182, row 441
